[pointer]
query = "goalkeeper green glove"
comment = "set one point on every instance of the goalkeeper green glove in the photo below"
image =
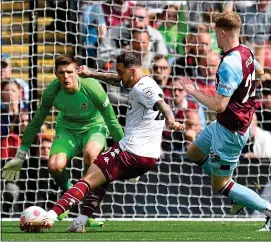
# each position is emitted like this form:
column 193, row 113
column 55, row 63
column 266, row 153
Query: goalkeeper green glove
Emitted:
column 11, row 170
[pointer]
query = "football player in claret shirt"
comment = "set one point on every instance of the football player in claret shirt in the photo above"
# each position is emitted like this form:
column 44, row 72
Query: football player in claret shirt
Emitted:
column 137, row 152
column 84, row 122
column 218, row 147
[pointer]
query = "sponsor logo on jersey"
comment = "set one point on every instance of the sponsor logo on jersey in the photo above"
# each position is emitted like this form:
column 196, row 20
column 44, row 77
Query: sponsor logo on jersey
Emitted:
column 214, row 156
column 84, row 105
column 148, row 92
column 57, row 137
column 224, row 86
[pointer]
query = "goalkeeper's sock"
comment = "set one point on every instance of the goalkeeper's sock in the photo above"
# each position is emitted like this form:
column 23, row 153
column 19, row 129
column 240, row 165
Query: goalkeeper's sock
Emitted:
column 205, row 165
column 62, row 179
column 93, row 200
column 245, row 196
column 72, row 197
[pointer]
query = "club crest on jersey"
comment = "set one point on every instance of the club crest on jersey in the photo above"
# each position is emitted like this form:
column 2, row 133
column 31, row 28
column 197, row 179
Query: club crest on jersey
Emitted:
column 84, row 105
column 57, row 137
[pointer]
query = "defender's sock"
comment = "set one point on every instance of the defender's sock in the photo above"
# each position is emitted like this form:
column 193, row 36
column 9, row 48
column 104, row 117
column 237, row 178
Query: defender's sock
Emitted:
column 245, row 197
column 93, row 199
column 72, row 197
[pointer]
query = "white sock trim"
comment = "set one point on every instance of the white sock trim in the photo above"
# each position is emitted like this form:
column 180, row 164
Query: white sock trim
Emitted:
column 52, row 214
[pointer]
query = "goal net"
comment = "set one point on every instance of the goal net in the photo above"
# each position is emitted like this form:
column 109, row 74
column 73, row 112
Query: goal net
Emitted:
column 35, row 32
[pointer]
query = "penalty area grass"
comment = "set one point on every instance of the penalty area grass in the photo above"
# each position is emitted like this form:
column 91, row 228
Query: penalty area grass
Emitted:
column 144, row 231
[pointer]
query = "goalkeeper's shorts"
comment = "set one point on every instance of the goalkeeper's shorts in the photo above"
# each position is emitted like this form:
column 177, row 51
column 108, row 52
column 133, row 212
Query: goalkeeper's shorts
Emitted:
column 72, row 143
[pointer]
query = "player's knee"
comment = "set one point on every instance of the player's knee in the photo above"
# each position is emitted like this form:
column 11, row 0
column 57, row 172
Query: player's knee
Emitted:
column 219, row 182
column 56, row 164
column 89, row 157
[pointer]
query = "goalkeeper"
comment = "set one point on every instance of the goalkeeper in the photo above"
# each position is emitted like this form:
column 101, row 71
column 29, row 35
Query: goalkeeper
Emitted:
column 83, row 124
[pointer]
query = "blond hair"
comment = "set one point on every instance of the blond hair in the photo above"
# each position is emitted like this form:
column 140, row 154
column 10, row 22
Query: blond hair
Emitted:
column 228, row 21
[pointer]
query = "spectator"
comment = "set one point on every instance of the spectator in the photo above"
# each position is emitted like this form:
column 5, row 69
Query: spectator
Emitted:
column 37, row 189
column 197, row 47
column 119, row 37
column 117, row 11
column 206, row 73
column 161, row 70
column 192, row 127
column 170, row 29
column 256, row 28
column 264, row 111
column 205, row 81
column 98, row 17
column 173, row 142
column 10, row 141
column 13, row 119
column 195, row 10
column 24, row 120
column 94, row 29
column 140, row 43
column 6, row 75
column 158, row 6
column 180, row 103
column 208, row 26
column 259, row 143
column 10, row 109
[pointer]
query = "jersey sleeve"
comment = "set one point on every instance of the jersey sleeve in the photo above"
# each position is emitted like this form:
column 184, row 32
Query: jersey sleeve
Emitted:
column 230, row 76
column 148, row 94
column 256, row 64
column 101, row 101
column 46, row 103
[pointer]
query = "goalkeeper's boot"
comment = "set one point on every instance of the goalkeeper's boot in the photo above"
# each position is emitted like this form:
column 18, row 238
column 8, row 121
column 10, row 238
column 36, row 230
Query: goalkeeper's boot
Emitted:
column 63, row 215
column 92, row 223
column 236, row 208
column 267, row 225
column 77, row 227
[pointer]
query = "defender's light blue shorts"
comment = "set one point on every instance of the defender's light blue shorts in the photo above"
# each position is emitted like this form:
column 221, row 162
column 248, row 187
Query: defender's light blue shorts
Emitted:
column 223, row 147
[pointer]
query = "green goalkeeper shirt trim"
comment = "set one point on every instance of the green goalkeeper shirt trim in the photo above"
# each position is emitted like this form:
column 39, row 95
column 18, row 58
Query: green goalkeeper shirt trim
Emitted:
column 78, row 112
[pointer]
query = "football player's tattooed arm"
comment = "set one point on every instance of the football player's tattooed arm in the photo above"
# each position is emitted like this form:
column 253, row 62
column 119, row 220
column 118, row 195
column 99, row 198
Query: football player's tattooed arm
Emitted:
column 109, row 78
column 164, row 108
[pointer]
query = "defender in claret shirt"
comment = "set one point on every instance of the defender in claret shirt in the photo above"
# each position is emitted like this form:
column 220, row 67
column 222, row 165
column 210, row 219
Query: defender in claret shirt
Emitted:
column 219, row 145
column 84, row 122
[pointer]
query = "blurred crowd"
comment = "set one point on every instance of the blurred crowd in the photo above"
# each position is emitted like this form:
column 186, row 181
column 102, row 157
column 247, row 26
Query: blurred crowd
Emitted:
column 175, row 38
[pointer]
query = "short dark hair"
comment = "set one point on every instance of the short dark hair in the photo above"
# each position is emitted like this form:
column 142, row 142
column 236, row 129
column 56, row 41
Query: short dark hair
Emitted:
column 4, row 64
column 140, row 31
column 129, row 59
column 159, row 57
column 228, row 21
column 5, row 82
column 64, row 59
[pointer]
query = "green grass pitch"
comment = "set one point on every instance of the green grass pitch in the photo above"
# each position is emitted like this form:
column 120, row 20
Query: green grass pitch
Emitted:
column 144, row 231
